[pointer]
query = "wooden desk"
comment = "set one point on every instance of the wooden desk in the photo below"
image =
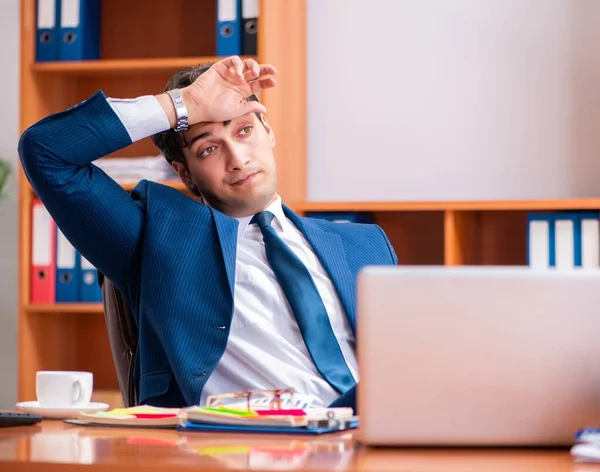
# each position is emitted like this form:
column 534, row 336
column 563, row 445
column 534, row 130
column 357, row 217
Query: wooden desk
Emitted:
column 57, row 447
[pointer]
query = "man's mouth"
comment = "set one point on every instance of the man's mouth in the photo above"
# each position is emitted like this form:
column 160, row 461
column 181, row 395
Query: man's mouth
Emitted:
column 245, row 179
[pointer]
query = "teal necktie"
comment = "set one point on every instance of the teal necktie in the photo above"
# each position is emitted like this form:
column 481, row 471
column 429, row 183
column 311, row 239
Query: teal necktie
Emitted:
column 309, row 310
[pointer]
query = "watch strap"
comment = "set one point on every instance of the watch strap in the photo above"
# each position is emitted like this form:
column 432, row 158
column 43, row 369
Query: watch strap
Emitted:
column 181, row 112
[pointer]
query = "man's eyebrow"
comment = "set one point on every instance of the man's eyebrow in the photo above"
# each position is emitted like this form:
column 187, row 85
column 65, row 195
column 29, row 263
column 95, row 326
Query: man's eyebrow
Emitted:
column 206, row 134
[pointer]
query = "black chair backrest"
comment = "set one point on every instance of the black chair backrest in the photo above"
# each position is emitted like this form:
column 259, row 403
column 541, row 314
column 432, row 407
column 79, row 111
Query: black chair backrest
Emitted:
column 123, row 337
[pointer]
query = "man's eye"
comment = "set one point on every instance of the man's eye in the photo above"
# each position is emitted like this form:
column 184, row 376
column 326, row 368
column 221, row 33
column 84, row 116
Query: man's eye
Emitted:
column 246, row 130
column 209, row 150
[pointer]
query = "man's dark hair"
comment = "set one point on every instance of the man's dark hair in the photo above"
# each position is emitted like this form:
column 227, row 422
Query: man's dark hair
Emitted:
column 170, row 142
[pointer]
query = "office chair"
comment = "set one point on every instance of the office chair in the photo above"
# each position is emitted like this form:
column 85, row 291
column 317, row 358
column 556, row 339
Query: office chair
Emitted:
column 123, row 337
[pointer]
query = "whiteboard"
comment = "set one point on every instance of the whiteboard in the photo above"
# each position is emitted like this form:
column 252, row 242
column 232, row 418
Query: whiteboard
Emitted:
column 421, row 100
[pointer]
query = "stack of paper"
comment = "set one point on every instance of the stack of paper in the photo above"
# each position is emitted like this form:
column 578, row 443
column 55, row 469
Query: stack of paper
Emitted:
column 292, row 415
column 307, row 421
column 243, row 417
column 221, row 418
column 142, row 416
column 134, row 169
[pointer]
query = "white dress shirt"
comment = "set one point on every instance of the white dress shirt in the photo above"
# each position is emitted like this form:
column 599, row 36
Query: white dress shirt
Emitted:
column 265, row 348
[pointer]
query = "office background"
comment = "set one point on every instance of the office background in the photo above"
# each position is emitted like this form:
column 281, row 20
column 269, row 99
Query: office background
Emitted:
column 410, row 107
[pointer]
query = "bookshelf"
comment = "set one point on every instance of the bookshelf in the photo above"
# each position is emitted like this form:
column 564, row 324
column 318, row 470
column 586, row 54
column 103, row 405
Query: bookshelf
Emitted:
column 455, row 232
column 143, row 43
column 73, row 336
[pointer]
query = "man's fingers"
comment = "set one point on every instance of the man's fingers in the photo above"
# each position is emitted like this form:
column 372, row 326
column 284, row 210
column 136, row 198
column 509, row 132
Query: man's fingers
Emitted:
column 251, row 69
column 258, row 71
column 234, row 65
column 258, row 76
column 267, row 69
column 258, row 85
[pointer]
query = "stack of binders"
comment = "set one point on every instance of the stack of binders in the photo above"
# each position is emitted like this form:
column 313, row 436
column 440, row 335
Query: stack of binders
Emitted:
column 59, row 274
column 563, row 240
column 68, row 30
column 237, row 27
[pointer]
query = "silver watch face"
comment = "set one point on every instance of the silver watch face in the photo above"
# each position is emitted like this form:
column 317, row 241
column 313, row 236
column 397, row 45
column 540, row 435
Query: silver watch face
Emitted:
column 175, row 95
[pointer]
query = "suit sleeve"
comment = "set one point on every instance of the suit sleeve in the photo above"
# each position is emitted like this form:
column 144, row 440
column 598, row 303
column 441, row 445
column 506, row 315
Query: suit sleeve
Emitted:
column 102, row 221
column 393, row 256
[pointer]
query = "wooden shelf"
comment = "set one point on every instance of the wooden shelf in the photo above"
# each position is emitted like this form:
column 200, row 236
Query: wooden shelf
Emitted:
column 120, row 66
column 64, row 308
column 541, row 205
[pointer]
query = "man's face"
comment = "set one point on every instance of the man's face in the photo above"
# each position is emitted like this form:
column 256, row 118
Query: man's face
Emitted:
column 231, row 164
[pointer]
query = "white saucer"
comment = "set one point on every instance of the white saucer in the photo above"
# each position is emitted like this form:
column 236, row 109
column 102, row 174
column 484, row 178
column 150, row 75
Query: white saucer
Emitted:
column 60, row 413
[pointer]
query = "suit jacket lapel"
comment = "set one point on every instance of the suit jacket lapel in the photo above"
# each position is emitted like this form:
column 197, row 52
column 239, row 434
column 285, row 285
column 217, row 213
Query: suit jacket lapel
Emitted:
column 227, row 229
column 330, row 251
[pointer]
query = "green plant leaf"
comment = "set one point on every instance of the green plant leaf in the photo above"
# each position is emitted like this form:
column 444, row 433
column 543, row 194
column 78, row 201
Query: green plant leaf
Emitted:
column 5, row 170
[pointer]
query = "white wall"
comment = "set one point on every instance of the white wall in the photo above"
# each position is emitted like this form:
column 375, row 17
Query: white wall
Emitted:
column 453, row 100
column 9, row 135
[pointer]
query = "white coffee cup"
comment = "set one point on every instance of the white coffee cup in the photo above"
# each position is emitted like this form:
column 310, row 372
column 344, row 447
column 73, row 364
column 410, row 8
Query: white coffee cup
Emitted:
column 63, row 389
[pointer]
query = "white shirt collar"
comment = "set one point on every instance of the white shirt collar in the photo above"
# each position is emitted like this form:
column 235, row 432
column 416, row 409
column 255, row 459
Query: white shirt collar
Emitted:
column 278, row 221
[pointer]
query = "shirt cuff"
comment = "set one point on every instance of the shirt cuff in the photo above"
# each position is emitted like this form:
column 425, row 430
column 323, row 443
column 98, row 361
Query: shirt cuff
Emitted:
column 142, row 116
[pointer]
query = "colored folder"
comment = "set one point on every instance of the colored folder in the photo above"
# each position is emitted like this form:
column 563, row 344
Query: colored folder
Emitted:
column 567, row 237
column 250, row 14
column 540, row 241
column 90, row 291
column 590, row 239
column 67, row 270
column 229, row 25
column 221, row 428
column 43, row 255
column 47, row 36
column 79, row 30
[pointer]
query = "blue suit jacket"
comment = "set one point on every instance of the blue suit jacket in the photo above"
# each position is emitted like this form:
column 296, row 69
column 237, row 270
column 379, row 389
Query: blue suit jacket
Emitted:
column 171, row 257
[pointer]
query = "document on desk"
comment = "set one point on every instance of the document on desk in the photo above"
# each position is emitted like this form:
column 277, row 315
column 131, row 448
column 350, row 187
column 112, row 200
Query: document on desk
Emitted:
column 137, row 416
column 225, row 419
column 259, row 413
column 305, row 421
column 280, row 417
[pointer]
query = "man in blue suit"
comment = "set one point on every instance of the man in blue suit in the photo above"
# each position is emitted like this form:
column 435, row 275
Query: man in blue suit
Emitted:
column 232, row 291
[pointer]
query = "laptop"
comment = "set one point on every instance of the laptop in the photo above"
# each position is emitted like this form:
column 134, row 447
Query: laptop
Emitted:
column 477, row 356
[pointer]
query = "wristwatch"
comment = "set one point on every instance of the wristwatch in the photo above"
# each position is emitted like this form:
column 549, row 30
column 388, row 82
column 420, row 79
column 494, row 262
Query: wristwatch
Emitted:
column 180, row 110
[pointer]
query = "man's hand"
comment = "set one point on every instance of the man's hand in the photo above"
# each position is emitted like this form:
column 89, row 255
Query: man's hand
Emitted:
column 221, row 92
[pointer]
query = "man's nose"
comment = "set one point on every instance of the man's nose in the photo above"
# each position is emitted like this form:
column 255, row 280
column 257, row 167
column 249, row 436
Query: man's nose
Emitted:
column 238, row 159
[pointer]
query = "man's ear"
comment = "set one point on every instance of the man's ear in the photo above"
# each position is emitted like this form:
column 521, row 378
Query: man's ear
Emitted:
column 269, row 130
